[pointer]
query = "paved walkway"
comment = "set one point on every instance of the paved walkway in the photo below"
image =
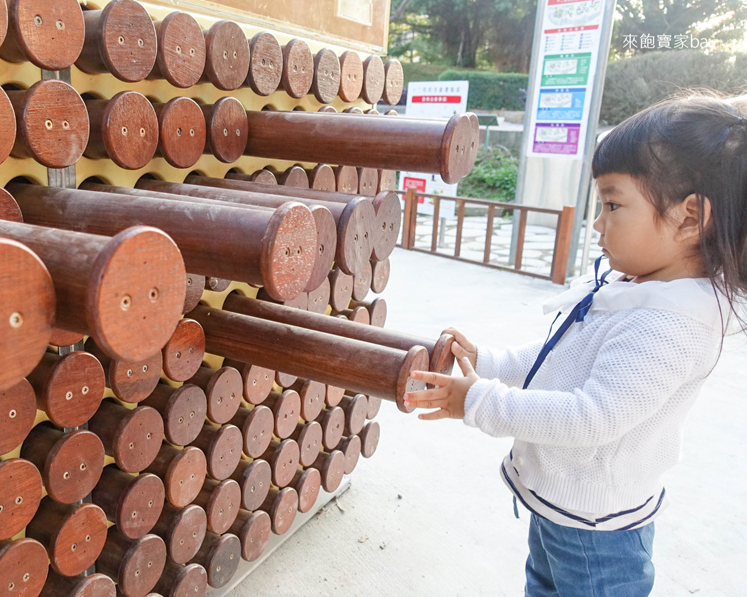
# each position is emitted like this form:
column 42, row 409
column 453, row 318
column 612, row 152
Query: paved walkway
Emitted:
column 428, row 515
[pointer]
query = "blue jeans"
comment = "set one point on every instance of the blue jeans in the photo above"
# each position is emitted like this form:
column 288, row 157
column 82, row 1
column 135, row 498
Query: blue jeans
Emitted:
column 568, row 562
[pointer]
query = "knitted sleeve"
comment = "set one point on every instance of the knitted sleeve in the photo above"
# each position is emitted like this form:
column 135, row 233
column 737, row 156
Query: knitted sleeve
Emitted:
column 643, row 360
column 510, row 365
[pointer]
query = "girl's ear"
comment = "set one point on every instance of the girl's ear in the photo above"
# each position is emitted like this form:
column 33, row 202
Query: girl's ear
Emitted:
column 689, row 216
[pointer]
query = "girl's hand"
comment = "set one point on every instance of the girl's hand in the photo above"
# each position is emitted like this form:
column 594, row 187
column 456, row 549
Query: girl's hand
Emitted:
column 462, row 347
column 449, row 394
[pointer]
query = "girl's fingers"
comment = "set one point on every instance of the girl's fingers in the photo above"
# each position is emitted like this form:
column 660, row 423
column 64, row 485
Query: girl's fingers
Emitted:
column 423, row 398
column 466, row 366
column 435, row 379
column 435, row 415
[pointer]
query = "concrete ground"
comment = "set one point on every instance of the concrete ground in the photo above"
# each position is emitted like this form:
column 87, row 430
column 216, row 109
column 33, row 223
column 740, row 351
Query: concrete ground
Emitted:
column 428, row 515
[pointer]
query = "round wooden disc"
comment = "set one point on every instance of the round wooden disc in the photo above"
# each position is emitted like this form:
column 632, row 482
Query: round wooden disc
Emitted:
column 322, row 178
column 195, row 288
column 332, row 471
column 183, row 352
column 53, row 124
column 359, row 315
column 351, row 76
column 190, row 582
column 381, row 271
column 341, row 290
column 287, row 410
column 227, row 62
column 3, row 23
column 136, row 293
column 49, row 33
column 142, row 566
column 74, row 389
column 442, row 359
column 370, row 439
column 355, row 417
column 353, row 110
column 223, row 560
column 74, row 466
column 458, row 148
column 225, row 452
column 310, row 443
column 368, row 180
column 298, row 68
column 228, row 130
column 362, row 282
column 308, row 487
column 216, row 284
column 374, row 404
column 334, row 395
column 285, row 380
column 65, row 337
column 326, row 235
column 416, row 360
column 266, row 64
column 283, row 510
column 333, row 425
column 184, row 415
column 95, row 585
column 255, row 485
column 223, row 395
column 182, row 132
column 133, row 381
column 327, row 109
column 351, row 450
column 378, row 310
column 285, row 462
column 7, row 123
column 257, row 431
column 185, row 476
column 257, row 383
column 140, row 506
column 319, row 297
column 264, row 176
column 387, row 180
column 356, row 237
column 254, row 535
column 138, row 439
column 181, row 49
column 20, row 494
column 288, row 251
column 23, row 568
column 128, row 40
column 312, row 399
column 187, row 534
column 394, row 82
column 79, row 541
column 223, row 506
column 295, row 176
column 326, row 81
column 347, row 179
column 9, row 210
column 17, row 414
column 373, row 79
column 388, row 223
column 130, row 130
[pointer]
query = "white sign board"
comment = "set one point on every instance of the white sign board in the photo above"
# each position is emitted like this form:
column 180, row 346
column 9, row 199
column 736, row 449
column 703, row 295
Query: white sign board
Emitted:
column 564, row 79
column 434, row 99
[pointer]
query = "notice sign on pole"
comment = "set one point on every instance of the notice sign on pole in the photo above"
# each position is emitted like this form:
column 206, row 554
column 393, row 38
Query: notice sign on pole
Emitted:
column 434, row 99
column 565, row 77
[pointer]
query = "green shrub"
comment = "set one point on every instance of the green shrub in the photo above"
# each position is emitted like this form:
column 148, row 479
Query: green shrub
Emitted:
column 632, row 84
column 491, row 91
column 417, row 71
column 493, row 177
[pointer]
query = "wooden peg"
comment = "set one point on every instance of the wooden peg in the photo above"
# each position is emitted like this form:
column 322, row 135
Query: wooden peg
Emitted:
column 309, row 439
column 20, row 495
column 183, row 410
column 182, row 581
column 312, row 397
column 332, row 421
column 23, row 566
column 283, row 458
column 180, row 56
column 226, row 129
column 374, row 404
column 220, row 556
column 307, row 484
column 282, row 506
column 195, row 288
column 286, row 409
column 322, row 178
column 332, row 467
column 94, row 585
column 370, row 439
column 341, row 289
column 373, row 79
column 296, row 177
column 256, row 429
column 334, row 395
column 183, row 352
column 380, row 275
column 7, row 126
column 319, row 297
column 17, row 414
column 221, row 501
column 266, row 63
column 216, row 284
column 135, row 565
column 346, row 179
column 356, row 408
column 394, row 81
column 183, row 530
column 351, row 76
column 223, row 389
column 131, row 381
column 298, row 68
column 351, row 450
column 326, row 81
column 255, row 479
column 227, row 60
column 257, row 380
column 182, row 471
column 253, row 530
column 357, row 314
column 222, row 448
column 181, row 131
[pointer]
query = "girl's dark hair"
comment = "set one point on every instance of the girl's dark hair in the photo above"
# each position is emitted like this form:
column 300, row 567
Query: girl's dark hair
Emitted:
column 691, row 144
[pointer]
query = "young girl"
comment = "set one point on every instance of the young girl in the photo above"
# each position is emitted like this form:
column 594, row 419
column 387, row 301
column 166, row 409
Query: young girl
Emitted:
column 597, row 410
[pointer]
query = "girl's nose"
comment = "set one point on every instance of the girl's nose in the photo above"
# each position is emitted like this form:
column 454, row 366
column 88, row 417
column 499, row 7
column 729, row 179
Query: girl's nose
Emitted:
column 598, row 224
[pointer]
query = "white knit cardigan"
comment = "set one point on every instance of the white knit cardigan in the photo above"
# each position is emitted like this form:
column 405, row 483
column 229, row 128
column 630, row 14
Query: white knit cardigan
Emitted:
column 603, row 417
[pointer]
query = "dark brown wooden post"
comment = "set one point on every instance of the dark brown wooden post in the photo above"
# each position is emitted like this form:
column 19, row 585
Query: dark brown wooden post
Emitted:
column 120, row 39
column 182, row 132
column 70, row 463
column 286, row 409
column 257, row 380
column 180, row 58
column 51, row 123
column 195, row 288
column 183, row 410
column 408, row 232
column 282, row 506
column 49, row 34
column 20, row 495
column 520, row 238
column 266, row 63
column 136, row 565
column 226, row 129
column 227, row 62
column 74, row 535
column 332, row 421
column 273, row 249
column 94, row 585
column 182, row 581
column 256, row 429
column 221, row 501
column 563, row 239
column 133, row 503
column 255, row 479
column 17, row 414
column 182, row 471
column 309, row 439
column 183, row 352
column 489, row 235
column 331, row 465
column 220, row 556
column 222, row 448
column 307, row 484
column 253, row 530
column 123, row 129
column 183, row 530
column 295, row 177
column 283, row 458
column 23, row 563
column 460, row 227
column 223, row 390
column 126, row 292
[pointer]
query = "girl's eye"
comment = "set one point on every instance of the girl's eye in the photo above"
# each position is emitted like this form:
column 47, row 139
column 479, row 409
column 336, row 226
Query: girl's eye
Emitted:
column 612, row 206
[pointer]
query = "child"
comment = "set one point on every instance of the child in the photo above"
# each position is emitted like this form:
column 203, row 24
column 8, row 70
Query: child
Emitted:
column 597, row 411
